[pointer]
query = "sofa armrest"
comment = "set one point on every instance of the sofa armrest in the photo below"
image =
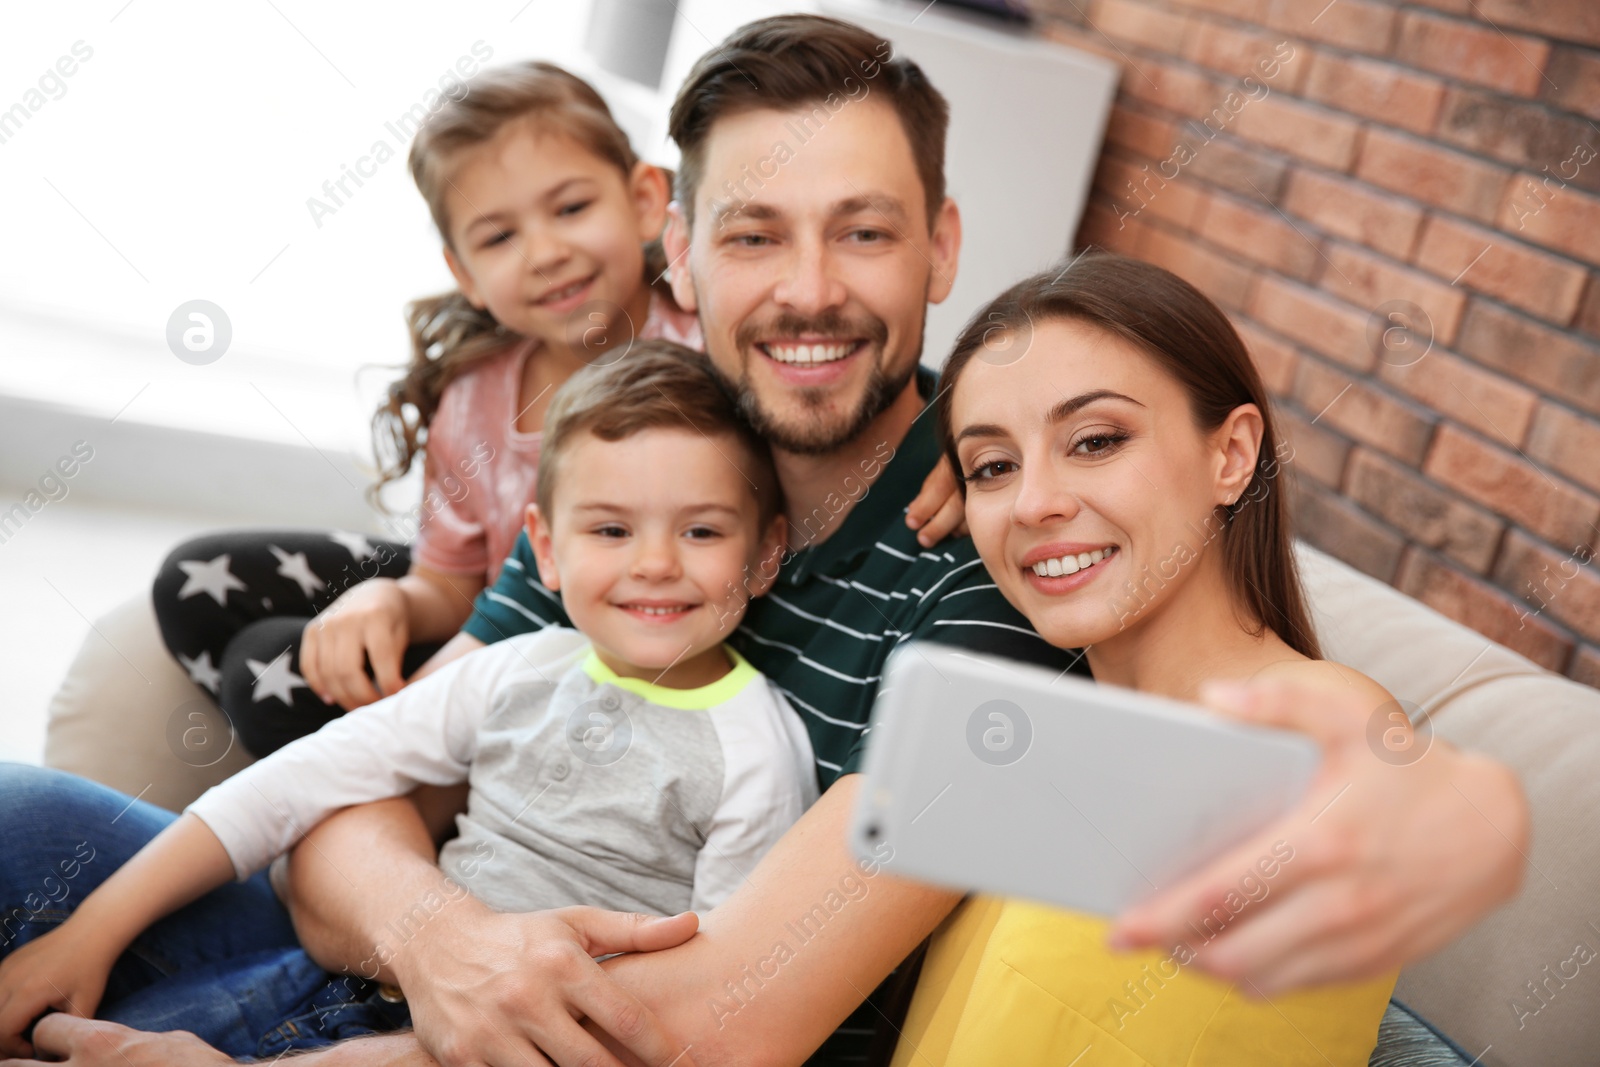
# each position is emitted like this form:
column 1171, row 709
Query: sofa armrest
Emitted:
column 1524, row 983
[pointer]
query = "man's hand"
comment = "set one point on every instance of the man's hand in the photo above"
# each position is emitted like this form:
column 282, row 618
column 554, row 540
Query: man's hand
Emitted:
column 471, row 974
column 488, row 987
column 1391, row 860
column 939, row 511
column 97, row 1043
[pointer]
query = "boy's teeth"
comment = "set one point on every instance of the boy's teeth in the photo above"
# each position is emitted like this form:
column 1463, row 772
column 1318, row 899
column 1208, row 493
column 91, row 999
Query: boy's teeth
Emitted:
column 1055, row 568
column 808, row 353
column 652, row 610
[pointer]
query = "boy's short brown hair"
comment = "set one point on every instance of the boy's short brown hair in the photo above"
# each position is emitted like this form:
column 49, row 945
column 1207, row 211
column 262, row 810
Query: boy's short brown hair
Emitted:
column 655, row 385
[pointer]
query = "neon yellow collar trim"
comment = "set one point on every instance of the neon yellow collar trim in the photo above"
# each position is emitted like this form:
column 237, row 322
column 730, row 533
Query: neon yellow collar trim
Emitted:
column 704, row 698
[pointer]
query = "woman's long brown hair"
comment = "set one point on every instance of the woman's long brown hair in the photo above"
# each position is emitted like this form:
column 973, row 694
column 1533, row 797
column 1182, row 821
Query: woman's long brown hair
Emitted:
column 1192, row 340
column 448, row 335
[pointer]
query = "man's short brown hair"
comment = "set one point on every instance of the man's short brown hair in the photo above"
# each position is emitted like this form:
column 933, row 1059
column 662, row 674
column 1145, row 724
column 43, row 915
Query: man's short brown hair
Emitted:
column 789, row 61
column 655, row 385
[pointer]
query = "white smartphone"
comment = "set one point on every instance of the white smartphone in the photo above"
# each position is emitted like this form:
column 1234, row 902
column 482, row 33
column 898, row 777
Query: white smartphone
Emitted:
column 989, row 775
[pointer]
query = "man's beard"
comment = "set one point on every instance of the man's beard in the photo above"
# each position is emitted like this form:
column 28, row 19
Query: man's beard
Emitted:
column 810, row 433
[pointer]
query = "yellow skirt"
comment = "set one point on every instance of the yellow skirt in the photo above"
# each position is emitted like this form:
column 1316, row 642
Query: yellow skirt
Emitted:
column 1011, row 983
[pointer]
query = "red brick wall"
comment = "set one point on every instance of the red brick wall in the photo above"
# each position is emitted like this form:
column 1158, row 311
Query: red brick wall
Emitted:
column 1440, row 161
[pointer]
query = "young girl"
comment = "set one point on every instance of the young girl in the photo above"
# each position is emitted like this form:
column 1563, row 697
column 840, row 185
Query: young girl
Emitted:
column 1120, row 485
column 549, row 223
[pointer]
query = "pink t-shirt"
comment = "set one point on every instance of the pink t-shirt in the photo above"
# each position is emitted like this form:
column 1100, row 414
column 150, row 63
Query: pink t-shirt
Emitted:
column 480, row 471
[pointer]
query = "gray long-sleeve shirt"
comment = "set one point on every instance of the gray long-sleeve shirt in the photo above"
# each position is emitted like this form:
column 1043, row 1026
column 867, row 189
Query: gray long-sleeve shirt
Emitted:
column 584, row 788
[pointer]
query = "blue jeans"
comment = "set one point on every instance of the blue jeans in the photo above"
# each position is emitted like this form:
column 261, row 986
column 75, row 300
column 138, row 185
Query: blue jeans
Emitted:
column 227, row 967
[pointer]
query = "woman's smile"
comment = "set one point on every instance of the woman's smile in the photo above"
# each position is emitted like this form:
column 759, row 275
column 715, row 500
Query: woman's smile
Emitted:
column 1055, row 570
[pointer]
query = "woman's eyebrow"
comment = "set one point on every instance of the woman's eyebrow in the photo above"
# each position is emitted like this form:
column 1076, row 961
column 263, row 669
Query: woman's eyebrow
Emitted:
column 1057, row 413
column 1072, row 404
column 982, row 429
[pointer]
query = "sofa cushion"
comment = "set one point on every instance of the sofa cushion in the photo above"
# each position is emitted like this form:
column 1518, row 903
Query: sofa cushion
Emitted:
column 128, row 716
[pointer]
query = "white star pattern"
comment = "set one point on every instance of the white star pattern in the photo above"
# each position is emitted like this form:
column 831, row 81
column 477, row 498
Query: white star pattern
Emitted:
column 355, row 544
column 212, row 576
column 298, row 570
column 274, row 679
column 202, row 671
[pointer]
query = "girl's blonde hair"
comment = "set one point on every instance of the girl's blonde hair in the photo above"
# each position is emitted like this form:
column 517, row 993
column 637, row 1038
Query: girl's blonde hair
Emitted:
column 448, row 334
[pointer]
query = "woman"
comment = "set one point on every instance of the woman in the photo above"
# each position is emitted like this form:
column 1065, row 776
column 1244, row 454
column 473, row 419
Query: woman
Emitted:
column 1119, row 463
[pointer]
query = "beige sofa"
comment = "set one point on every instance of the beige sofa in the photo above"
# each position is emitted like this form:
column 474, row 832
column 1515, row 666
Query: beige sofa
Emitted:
column 1482, row 696
column 125, row 715
column 129, row 717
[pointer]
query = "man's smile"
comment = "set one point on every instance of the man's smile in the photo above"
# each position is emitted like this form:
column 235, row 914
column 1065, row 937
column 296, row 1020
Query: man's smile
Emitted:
column 810, row 352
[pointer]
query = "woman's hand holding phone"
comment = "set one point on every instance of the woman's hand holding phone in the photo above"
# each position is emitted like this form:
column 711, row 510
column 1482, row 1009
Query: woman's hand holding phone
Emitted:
column 1365, row 893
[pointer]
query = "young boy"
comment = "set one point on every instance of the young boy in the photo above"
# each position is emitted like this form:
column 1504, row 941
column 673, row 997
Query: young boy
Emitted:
column 634, row 764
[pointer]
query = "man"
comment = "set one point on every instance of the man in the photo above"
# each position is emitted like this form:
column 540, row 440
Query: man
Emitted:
column 810, row 262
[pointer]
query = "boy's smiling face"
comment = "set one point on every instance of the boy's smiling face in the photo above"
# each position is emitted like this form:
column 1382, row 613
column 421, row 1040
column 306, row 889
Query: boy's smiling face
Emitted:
column 656, row 543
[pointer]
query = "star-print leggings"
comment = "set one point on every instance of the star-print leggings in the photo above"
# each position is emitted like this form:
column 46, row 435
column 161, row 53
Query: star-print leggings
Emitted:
column 232, row 606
